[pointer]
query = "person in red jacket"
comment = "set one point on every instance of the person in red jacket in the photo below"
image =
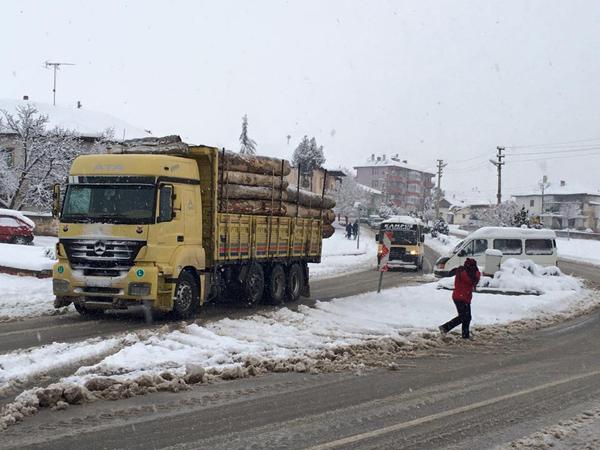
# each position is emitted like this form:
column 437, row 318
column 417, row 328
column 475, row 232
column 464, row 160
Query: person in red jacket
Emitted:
column 465, row 281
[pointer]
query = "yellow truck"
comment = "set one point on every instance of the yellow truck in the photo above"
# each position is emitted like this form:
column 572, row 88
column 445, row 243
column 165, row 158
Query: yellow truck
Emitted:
column 147, row 229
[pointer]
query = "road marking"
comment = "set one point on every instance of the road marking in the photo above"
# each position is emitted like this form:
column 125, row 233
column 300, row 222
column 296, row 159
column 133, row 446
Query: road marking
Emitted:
column 411, row 423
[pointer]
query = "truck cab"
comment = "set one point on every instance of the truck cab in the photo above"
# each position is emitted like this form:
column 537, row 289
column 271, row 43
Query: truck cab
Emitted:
column 405, row 237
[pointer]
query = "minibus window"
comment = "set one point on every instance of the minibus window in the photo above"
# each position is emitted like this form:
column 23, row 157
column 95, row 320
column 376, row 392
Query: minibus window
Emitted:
column 538, row 247
column 509, row 246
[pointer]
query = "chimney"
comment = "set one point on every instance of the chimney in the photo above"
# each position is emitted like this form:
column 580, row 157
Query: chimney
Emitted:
column 78, row 104
column 405, row 161
column 372, row 156
column 26, row 97
column 379, row 158
column 384, row 156
column 562, row 183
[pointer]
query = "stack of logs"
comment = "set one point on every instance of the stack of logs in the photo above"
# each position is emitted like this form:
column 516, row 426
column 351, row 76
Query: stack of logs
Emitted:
column 251, row 184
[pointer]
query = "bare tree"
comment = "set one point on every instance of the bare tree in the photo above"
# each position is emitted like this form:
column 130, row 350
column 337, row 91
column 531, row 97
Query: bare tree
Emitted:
column 41, row 158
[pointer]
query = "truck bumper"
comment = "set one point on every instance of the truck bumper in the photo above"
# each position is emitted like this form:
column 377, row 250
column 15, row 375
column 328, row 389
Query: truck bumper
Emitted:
column 140, row 284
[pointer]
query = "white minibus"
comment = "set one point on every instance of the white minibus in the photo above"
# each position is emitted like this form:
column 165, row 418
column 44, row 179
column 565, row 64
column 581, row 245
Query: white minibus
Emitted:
column 522, row 243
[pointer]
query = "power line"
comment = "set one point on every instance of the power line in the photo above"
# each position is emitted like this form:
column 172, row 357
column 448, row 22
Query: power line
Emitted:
column 567, row 150
column 554, row 144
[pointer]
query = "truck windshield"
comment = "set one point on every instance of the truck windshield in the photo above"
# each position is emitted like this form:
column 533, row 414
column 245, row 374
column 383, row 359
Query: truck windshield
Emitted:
column 109, row 203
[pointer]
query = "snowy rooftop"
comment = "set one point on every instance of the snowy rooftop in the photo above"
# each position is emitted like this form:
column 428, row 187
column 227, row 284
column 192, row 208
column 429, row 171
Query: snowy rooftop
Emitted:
column 395, row 162
column 561, row 189
column 86, row 123
column 472, row 197
column 369, row 189
column 513, row 232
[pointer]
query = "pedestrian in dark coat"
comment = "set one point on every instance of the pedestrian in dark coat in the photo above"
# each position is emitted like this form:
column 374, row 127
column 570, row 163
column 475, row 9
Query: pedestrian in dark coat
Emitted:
column 465, row 281
column 355, row 229
column 349, row 230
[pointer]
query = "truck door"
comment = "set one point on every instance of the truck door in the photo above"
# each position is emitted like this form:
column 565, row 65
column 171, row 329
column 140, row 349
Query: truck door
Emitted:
column 169, row 219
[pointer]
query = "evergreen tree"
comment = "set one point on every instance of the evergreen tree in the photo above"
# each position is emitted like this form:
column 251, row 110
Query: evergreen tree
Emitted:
column 521, row 218
column 247, row 144
column 308, row 156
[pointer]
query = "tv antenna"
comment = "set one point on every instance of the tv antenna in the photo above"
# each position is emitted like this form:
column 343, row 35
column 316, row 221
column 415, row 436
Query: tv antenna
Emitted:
column 55, row 66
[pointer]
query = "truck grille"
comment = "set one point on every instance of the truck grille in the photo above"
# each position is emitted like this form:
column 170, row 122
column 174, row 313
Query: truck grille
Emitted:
column 397, row 252
column 102, row 257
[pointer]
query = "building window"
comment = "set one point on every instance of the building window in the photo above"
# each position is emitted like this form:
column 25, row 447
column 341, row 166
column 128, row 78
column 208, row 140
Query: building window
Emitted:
column 7, row 156
column 531, row 202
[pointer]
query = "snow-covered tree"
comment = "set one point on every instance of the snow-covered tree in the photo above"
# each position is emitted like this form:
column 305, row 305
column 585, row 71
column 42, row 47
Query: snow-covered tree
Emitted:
column 308, row 156
column 42, row 158
column 349, row 195
column 500, row 215
column 440, row 227
column 521, row 218
column 247, row 144
column 386, row 210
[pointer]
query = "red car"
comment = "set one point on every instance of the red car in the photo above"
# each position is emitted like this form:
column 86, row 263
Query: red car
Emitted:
column 15, row 228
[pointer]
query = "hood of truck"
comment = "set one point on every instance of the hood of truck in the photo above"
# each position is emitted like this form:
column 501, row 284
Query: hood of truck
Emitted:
column 103, row 231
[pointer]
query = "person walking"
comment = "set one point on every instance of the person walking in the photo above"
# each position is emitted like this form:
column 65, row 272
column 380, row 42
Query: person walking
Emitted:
column 355, row 229
column 465, row 281
column 348, row 230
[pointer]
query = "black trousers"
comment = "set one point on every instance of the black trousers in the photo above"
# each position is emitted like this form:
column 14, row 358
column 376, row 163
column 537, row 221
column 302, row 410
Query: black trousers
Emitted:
column 464, row 318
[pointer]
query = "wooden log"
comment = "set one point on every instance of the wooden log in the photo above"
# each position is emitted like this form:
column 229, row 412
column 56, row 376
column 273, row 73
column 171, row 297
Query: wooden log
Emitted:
column 254, row 179
column 305, row 198
column 309, row 199
column 328, row 231
column 254, row 207
column 265, row 165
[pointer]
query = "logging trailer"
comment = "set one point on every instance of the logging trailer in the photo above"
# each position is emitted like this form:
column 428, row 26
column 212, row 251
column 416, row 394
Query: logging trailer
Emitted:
column 152, row 230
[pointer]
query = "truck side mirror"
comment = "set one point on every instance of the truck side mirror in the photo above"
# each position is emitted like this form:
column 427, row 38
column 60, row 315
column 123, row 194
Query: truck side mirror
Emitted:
column 422, row 238
column 376, row 237
column 166, row 195
column 55, row 200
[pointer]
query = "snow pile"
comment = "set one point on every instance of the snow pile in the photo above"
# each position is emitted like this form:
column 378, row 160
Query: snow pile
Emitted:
column 18, row 215
column 579, row 250
column 26, row 257
column 340, row 255
column 25, row 297
column 442, row 244
column 524, row 276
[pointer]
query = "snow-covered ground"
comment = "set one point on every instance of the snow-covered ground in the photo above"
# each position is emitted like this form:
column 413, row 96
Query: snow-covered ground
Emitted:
column 579, row 250
column 442, row 244
column 340, row 255
column 28, row 257
column 25, row 297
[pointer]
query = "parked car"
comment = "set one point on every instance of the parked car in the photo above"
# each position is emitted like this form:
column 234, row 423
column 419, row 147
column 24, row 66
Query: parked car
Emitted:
column 15, row 228
column 374, row 221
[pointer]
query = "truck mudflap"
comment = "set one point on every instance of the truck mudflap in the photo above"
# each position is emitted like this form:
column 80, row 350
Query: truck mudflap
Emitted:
column 305, row 291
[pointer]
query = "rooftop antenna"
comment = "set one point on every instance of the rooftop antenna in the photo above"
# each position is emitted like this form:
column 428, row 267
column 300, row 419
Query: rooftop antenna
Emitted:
column 55, row 66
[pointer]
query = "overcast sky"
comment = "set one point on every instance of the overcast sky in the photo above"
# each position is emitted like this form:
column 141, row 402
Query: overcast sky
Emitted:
column 427, row 80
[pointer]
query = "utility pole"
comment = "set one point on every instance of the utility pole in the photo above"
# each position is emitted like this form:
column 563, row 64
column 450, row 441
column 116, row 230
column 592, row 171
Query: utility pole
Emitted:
column 543, row 185
column 499, row 163
column 440, row 169
column 55, row 66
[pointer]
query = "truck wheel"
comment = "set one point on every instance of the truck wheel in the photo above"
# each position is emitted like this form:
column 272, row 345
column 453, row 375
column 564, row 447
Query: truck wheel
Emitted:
column 186, row 297
column 253, row 286
column 294, row 282
column 86, row 312
column 276, row 285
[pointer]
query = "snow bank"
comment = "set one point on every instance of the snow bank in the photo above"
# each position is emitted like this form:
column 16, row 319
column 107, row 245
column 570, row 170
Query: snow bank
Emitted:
column 340, row 255
column 401, row 314
column 522, row 275
column 25, row 297
column 27, row 257
column 579, row 250
column 17, row 214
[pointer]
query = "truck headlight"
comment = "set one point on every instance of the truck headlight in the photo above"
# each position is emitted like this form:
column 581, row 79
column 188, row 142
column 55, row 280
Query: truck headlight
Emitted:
column 413, row 252
column 60, row 287
column 139, row 289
